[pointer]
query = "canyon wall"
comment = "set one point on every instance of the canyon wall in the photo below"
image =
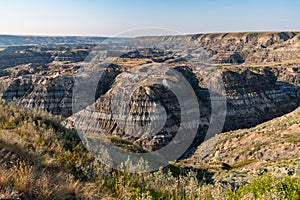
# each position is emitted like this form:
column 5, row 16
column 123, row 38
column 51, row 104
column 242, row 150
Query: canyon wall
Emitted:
column 260, row 74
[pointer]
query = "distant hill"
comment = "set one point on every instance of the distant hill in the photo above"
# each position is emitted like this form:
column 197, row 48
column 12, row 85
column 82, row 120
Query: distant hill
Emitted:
column 11, row 40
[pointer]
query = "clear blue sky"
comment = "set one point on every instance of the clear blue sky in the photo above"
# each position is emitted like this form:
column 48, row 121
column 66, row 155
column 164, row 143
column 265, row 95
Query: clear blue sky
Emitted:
column 111, row 17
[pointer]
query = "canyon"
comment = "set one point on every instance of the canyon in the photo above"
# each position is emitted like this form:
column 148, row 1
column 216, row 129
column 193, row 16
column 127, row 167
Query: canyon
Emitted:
column 259, row 75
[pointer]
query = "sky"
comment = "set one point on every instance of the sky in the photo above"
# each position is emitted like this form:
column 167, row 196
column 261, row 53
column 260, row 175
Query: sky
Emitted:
column 124, row 17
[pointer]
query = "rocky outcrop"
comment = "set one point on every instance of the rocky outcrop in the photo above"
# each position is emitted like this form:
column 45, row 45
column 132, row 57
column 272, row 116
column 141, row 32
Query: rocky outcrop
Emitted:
column 41, row 77
column 150, row 117
column 13, row 56
column 251, row 48
column 259, row 72
column 252, row 98
column 41, row 56
column 53, row 94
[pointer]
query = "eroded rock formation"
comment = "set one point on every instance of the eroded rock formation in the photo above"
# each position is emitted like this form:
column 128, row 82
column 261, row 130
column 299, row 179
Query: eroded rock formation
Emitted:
column 260, row 73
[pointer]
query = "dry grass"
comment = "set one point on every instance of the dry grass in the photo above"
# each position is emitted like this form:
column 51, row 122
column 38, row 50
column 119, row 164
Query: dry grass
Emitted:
column 267, row 143
column 40, row 159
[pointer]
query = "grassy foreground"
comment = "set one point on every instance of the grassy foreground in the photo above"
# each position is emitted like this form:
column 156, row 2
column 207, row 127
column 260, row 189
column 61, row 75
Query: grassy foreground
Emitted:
column 40, row 159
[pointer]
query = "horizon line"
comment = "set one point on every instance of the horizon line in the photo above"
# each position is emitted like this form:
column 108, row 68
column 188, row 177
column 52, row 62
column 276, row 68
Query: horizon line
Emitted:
column 105, row 36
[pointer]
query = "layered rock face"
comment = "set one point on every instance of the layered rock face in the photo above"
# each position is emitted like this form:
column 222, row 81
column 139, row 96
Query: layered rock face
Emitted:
column 251, row 48
column 41, row 77
column 13, row 56
column 251, row 98
column 40, row 56
column 256, row 97
column 149, row 114
column 258, row 71
column 53, row 94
